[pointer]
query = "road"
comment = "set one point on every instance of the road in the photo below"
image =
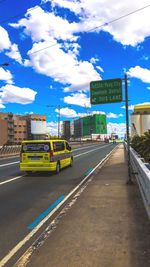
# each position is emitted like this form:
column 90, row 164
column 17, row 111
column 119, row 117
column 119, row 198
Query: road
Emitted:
column 25, row 198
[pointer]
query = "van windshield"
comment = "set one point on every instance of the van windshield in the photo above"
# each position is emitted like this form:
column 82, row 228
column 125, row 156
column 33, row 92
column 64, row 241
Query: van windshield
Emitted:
column 35, row 147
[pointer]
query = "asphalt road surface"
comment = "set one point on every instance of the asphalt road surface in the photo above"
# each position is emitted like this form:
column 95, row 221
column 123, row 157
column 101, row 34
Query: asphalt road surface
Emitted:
column 23, row 198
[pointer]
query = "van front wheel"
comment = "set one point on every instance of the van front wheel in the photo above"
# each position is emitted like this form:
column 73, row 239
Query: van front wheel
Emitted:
column 58, row 167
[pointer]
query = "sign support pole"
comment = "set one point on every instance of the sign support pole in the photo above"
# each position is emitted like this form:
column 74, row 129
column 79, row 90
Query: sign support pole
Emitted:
column 129, row 181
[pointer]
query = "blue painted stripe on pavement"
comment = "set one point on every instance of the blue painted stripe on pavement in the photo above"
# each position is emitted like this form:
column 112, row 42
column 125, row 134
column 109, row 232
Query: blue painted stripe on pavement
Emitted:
column 88, row 172
column 45, row 213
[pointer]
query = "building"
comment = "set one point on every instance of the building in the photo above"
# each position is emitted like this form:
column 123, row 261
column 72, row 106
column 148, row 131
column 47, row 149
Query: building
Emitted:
column 3, row 132
column 78, row 128
column 140, row 119
column 36, row 126
column 16, row 128
column 20, row 128
column 66, row 130
column 7, row 128
column 90, row 125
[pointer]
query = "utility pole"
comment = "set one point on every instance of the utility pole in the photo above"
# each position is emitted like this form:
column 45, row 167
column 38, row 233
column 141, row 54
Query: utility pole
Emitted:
column 59, row 107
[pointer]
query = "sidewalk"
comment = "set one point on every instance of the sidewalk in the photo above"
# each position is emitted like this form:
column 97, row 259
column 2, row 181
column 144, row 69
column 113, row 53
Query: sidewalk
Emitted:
column 106, row 227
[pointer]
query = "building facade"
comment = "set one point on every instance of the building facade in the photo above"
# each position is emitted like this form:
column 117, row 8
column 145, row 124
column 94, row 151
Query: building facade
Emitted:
column 66, row 130
column 140, row 120
column 20, row 128
column 89, row 125
column 7, row 133
column 78, row 128
column 16, row 128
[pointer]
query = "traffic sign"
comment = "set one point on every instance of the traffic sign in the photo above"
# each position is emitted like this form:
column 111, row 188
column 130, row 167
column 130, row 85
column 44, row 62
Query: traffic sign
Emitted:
column 106, row 91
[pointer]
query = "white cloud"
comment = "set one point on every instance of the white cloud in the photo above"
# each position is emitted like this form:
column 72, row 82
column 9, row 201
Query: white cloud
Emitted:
column 1, row 105
column 140, row 73
column 144, row 103
column 99, row 68
column 14, row 94
column 14, row 53
column 111, row 115
column 4, row 39
column 71, row 113
column 144, row 57
column 94, row 60
column 118, row 128
column 5, row 44
column 31, row 112
column 67, row 112
column 129, row 30
column 62, row 67
column 5, row 75
column 131, row 107
column 52, row 127
column 41, row 25
column 79, row 99
column 98, row 112
column 148, row 88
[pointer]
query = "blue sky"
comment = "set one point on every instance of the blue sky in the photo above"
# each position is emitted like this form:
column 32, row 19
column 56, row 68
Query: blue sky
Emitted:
column 55, row 48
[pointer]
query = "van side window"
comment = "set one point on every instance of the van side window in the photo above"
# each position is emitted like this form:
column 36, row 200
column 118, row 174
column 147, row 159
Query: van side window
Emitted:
column 67, row 146
column 58, row 146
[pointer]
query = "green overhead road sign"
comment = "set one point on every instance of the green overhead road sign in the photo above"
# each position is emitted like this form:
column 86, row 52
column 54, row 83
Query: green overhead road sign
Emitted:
column 106, row 91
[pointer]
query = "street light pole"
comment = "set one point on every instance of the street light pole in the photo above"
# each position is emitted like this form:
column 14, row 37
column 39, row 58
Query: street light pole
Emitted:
column 59, row 109
column 127, row 131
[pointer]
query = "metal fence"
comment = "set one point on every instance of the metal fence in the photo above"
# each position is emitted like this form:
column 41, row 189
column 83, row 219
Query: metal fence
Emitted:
column 9, row 150
column 141, row 170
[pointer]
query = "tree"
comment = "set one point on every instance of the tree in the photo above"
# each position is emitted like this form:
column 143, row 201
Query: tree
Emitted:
column 141, row 144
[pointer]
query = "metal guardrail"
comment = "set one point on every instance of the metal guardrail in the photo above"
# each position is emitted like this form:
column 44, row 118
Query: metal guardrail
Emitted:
column 142, row 173
column 9, row 150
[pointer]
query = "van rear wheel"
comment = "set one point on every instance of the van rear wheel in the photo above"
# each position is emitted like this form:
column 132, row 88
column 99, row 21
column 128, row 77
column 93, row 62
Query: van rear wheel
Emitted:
column 29, row 172
column 57, row 167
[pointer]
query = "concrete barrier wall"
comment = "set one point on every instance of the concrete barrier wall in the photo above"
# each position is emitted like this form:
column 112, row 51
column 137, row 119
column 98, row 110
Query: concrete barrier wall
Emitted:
column 142, row 173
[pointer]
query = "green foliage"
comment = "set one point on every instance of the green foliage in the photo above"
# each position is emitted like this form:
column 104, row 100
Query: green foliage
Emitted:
column 142, row 145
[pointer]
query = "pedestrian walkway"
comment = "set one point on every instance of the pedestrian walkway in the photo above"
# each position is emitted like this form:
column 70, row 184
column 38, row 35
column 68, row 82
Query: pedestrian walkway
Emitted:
column 106, row 227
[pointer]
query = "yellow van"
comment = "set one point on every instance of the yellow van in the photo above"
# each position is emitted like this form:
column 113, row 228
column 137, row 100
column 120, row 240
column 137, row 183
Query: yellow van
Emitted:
column 45, row 155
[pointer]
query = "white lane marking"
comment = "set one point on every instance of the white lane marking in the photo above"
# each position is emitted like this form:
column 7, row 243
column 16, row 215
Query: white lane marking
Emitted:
column 15, row 162
column 11, row 180
column 90, row 151
column 10, row 163
column 30, row 235
column 18, row 177
column 10, row 157
column 80, row 148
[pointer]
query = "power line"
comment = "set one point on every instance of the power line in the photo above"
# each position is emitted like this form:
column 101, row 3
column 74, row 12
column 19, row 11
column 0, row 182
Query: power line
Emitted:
column 92, row 29
column 121, row 17
column 18, row 15
column 100, row 26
